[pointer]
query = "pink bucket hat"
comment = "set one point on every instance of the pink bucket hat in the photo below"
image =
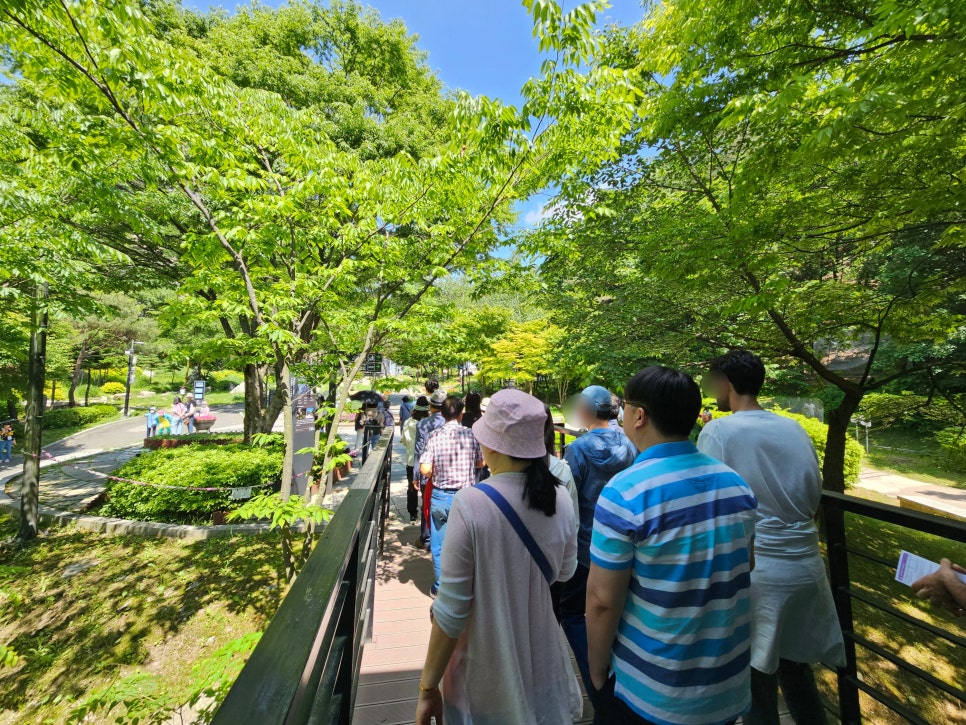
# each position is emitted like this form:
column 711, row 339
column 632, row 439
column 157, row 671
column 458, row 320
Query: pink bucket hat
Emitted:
column 513, row 425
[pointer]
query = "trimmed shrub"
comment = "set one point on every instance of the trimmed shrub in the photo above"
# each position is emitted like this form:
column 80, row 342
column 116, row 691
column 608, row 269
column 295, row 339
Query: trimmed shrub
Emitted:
column 73, row 417
column 191, row 467
column 112, row 388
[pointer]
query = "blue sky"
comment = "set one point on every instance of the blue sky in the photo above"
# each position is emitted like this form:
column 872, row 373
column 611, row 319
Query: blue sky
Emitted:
column 481, row 46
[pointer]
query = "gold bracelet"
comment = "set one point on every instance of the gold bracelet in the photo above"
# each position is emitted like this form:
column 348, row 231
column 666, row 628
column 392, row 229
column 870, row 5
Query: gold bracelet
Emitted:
column 427, row 689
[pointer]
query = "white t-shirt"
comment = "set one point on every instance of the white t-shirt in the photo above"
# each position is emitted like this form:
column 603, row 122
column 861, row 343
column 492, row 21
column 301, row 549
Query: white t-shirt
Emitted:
column 776, row 458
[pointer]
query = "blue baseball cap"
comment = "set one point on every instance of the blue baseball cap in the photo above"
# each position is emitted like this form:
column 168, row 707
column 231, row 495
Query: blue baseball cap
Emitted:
column 597, row 398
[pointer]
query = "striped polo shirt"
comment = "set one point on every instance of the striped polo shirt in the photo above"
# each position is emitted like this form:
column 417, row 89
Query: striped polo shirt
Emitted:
column 684, row 521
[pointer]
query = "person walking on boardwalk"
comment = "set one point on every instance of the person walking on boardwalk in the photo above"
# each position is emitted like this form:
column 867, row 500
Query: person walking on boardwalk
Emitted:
column 794, row 622
column 423, row 429
column 594, row 458
column 668, row 605
column 408, row 437
column 496, row 654
column 452, row 458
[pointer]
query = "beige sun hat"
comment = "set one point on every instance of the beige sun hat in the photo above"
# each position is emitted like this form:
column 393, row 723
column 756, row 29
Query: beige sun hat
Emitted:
column 513, row 425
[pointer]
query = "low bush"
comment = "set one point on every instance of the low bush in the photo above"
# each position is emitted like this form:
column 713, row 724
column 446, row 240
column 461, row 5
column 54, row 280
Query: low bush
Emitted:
column 953, row 442
column 191, row 467
column 226, row 379
column 73, row 417
column 112, row 388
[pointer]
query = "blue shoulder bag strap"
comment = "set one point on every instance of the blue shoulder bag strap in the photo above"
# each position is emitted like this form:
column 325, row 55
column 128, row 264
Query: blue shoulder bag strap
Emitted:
column 517, row 523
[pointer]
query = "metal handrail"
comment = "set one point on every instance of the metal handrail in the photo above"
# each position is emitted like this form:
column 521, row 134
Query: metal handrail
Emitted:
column 305, row 668
column 835, row 506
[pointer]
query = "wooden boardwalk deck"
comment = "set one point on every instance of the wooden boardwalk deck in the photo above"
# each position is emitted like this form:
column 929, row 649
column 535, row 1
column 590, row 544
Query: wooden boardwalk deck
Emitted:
column 393, row 659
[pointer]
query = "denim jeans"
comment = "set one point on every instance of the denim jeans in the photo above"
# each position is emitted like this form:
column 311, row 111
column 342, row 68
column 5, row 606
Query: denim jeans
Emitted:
column 176, row 426
column 573, row 605
column 440, row 504
column 5, row 447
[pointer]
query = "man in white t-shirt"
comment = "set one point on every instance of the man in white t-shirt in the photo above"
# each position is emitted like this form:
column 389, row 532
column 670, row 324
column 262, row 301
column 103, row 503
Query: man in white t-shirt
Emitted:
column 794, row 622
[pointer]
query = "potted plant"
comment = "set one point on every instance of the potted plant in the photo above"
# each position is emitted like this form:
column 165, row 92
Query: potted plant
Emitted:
column 205, row 422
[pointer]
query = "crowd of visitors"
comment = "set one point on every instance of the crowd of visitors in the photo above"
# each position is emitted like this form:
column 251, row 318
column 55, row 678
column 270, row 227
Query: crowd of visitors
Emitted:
column 177, row 421
column 686, row 578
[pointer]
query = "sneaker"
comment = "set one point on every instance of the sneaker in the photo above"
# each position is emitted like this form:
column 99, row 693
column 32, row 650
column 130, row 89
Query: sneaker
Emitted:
column 413, row 519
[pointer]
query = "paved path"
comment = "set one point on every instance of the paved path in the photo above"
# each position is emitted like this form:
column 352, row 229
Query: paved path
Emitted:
column 909, row 493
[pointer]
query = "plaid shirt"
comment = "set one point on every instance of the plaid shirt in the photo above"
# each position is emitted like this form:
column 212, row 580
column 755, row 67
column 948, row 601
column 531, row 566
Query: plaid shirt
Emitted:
column 453, row 452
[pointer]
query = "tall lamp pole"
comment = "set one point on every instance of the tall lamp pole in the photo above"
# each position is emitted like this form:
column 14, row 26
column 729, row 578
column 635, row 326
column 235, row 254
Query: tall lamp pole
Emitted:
column 131, row 360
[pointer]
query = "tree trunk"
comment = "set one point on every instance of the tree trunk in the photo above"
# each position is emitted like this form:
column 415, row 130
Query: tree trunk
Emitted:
column 284, row 396
column 255, row 395
column 36, row 372
column 76, row 376
column 839, row 419
column 12, row 409
column 87, row 390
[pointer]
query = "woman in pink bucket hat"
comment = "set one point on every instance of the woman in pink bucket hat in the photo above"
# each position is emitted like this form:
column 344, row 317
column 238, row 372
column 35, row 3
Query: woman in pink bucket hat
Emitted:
column 496, row 654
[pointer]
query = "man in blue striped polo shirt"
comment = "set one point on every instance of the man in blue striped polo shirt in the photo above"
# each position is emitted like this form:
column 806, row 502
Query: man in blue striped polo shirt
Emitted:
column 668, row 610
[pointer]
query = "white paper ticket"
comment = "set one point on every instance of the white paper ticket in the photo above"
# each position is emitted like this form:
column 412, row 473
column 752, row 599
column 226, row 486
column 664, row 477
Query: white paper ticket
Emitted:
column 912, row 567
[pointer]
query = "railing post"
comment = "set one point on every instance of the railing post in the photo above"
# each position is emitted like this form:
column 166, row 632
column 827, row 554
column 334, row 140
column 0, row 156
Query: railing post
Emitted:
column 838, row 559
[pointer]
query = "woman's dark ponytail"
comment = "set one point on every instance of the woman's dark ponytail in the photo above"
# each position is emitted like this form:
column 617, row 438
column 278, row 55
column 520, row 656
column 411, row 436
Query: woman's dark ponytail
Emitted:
column 540, row 488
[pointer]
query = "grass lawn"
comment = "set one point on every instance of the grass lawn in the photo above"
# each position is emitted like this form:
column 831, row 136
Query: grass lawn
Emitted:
column 915, row 455
column 154, row 606
column 937, row 656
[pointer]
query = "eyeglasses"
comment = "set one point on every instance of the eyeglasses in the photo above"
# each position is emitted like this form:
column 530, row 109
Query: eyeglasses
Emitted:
column 637, row 405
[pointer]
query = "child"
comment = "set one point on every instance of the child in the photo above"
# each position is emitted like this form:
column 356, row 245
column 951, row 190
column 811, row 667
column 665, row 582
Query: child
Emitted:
column 164, row 423
column 152, row 417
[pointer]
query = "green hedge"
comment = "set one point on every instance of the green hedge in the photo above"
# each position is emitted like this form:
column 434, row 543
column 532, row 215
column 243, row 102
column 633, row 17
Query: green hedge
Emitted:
column 235, row 465
column 818, row 432
column 912, row 412
column 73, row 417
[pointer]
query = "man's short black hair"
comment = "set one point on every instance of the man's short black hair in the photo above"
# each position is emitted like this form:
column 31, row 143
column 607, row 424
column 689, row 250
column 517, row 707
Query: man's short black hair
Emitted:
column 671, row 399
column 432, row 386
column 452, row 407
column 744, row 370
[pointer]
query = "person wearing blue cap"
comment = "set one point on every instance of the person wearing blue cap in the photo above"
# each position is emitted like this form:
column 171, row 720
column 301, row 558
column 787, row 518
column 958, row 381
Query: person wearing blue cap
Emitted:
column 594, row 458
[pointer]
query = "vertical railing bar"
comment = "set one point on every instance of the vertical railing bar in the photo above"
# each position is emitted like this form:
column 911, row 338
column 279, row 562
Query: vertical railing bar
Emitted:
column 849, row 707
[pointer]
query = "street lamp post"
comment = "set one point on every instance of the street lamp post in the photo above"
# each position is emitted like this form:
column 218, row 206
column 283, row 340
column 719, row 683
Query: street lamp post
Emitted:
column 131, row 360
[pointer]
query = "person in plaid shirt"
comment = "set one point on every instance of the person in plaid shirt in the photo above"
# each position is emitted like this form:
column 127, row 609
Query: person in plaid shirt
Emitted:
column 452, row 457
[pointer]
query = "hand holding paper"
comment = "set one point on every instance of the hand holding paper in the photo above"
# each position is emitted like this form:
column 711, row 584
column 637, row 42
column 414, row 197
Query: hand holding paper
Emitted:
column 943, row 584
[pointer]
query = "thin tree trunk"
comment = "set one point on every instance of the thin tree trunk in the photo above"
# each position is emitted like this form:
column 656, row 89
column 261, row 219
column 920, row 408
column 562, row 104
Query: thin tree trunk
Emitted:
column 76, row 376
column 839, row 419
column 12, row 408
column 30, row 481
column 282, row 391
column 87, row 390
column 255, row 410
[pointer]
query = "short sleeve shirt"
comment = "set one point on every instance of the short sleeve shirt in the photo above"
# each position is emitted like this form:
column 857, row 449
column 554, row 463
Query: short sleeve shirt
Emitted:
column 684, row 523
column 453, row 452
